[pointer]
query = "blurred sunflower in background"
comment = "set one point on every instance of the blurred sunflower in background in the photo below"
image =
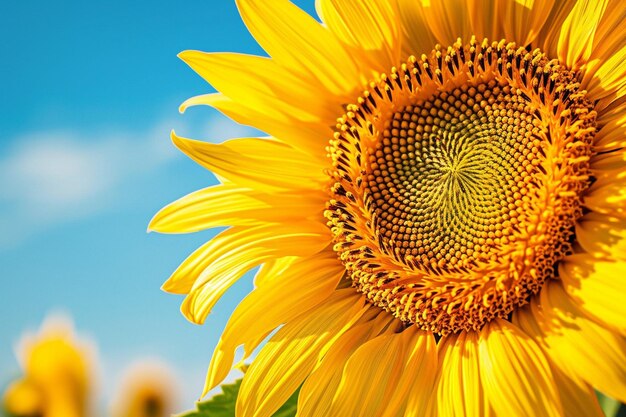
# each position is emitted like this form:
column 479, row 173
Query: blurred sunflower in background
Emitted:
column 59, row 379
column 147, row 389
column 439, row 212
column 58, row 374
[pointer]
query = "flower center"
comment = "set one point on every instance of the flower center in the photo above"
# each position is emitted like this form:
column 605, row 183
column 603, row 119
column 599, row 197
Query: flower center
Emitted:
column 456, row 181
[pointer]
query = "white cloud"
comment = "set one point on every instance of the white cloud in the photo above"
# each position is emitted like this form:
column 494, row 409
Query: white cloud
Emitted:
column 56, row 170
column 58, row 176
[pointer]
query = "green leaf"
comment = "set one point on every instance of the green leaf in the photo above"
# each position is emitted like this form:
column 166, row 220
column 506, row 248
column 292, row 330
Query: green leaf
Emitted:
column 611, row 407
column 223, row 405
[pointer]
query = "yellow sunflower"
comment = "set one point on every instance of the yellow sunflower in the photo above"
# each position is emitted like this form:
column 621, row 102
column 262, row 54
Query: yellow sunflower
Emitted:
column 58, row 374
column 147, row 389
column 439, row 212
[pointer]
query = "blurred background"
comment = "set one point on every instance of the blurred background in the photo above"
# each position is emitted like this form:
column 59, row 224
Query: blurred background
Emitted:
column 89, row 94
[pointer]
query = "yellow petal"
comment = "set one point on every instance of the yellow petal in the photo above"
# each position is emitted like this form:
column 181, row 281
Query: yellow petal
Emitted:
column 578, row 30
column 448, row 20
column 312, row 49
column 609, row 77
column 417, row 36
column 487, row 19
column 605, row 166
column 548, row 38
column 233, row 252
column 609, row 38
column 274, row 269
column 579, row 346
column 220, row 205
column 261, row 164
column 515, row 20
column 524, row 19
column 599, row 288
column 291, row 354
column 612, row 134
column 420, row 371
column 611, row 30
column 379, row 370
column 262, row 84
column 311, row 137
column 459, row 390
column 317, row 392
column 601, row 236
column 230, row 205
column 368, row 25
column 578, row 399
column 515, row 373
column 307, row 281
column 182, row 279
column 608, row 197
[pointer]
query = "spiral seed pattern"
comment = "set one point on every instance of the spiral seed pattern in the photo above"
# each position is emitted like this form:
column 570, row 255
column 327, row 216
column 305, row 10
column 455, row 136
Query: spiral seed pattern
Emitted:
column 447, row 173
column 456, row 182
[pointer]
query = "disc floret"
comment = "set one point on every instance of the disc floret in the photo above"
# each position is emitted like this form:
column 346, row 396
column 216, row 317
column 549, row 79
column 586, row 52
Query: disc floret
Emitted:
column 456, row 180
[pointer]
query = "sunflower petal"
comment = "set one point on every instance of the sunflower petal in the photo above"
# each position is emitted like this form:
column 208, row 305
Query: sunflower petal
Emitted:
column 518, row 20
column 311, row 137
column 548, row 38
column 274, row 269
column 611, row 30
column 448, row 20
column 515, row 373
column 612, row 135
column 608, row 197
column 262, row 164
column 270, row 90
column 577, row 399
column 229, row 255
column 597, row 287
column 312, row 49
column 524, row 19
column 370, row 25
column 602, row 237
column 609, row 77
column 308, row 281
column 385, row 360
column 610, row 36
column 459, row 389
column 418, row 38
column 420, row 371
column 230, row 205
column 317, row 392
column 292, row 353
column 486, row 18
column 579, row 346
column 605, row 166
column 578, row 30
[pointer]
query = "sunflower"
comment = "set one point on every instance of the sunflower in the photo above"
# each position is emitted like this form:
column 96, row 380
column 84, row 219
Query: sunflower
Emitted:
column 439, row 212
column 57, row 374
column 147, row 389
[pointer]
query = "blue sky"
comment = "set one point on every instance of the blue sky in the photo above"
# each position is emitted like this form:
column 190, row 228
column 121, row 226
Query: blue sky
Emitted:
column 90, row 91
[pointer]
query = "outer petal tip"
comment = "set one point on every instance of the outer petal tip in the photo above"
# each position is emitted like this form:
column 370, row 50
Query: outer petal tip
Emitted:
column 153, row 224
column 178, row 141
column 186, row 56
column 167, row 286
